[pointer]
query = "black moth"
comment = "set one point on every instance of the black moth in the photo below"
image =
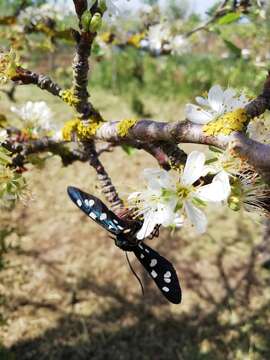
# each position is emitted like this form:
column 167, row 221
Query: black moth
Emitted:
column 159, row 268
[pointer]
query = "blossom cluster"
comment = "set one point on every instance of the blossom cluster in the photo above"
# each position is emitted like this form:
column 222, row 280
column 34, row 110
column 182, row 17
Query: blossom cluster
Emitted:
column 171, row 203
column 223, row 179
column 221, row 112
column 160, row 38
column 36, row 119
column 35, row 15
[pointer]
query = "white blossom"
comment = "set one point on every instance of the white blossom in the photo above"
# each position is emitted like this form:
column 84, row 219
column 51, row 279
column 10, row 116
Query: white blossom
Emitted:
column 245, row 53
column 36, row 116
column 179, row 44
column 168, row 202
column 158, row 35
column 194, row 196
column 157, row 203
column 3, row 136
column 225, row 161
column 217, row 103
column 36, row 14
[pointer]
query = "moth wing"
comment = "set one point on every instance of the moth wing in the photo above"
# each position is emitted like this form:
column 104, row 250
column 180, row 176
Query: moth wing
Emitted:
column 161, row 271
column 96, row 210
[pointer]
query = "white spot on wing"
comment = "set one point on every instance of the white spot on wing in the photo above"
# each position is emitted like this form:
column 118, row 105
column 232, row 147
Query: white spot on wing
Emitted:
column 103, row 216
column 141, row 256
column 153, row 262
column 120, row 227
column 146, row 250
column 167, row 274
column 140, row 246
column 115, row 221
column 91, row 202
column 79, row 202
column 167, row 280
column 165, row 289
column 93, row 215
column 86, row 202
column 154, row 274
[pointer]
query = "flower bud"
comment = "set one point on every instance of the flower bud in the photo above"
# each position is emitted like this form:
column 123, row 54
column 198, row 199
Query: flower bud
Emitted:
column 95, row 23
column 234, row 203
column 86, row 19
column 102, row 6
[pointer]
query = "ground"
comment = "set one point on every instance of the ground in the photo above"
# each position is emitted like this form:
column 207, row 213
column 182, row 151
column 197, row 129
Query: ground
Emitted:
column 69, row 293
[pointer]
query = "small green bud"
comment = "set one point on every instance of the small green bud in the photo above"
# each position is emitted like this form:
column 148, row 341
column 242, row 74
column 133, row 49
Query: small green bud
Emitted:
column 86, row 20
column 95, row 23
column 234, row 203
column 102, row 6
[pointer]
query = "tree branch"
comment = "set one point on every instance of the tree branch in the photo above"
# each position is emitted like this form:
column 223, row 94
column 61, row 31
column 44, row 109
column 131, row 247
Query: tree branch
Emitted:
column 21, row 150
column 26, row 77
column 107, row 186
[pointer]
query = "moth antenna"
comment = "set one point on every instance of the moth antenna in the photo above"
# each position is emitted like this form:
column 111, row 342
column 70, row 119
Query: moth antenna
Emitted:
column 134, row 273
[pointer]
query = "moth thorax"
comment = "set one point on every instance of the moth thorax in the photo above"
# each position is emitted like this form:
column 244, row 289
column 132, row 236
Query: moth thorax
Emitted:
column 125, row 243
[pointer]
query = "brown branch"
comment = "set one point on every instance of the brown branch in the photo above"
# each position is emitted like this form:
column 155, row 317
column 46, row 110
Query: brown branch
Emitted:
column 257, row 154
column 25, row 77
column 84, row 40
column 80, row 7
column 155, row 132
column 167, row 154
column 21, row 150
column 262, row 103
column 80, row 73
column 107, row 186
column 160, row 139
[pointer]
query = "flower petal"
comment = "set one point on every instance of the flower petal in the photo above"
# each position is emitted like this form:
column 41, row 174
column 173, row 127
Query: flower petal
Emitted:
column 178, row 221
column 149, row 224
column 217, row 191
column 134, row 196
column 197, row 115
column 194, row 167
column 157, row 179
column 202, row 101
column 215, row 98
column 165, row 212
column 3, row 136
column 196, row 217
column 228, row 94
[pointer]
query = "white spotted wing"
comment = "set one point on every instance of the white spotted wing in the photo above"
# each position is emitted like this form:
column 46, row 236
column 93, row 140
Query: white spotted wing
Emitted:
column 96, row 210
column 161, row 271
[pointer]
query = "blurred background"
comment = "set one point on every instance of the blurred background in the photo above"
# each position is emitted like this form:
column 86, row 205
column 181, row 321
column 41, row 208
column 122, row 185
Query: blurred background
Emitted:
column 66, row 291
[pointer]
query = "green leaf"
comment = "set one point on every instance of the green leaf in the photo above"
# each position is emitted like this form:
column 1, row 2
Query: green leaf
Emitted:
column 235, row 50
column 129, row 150
column 229, row 18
